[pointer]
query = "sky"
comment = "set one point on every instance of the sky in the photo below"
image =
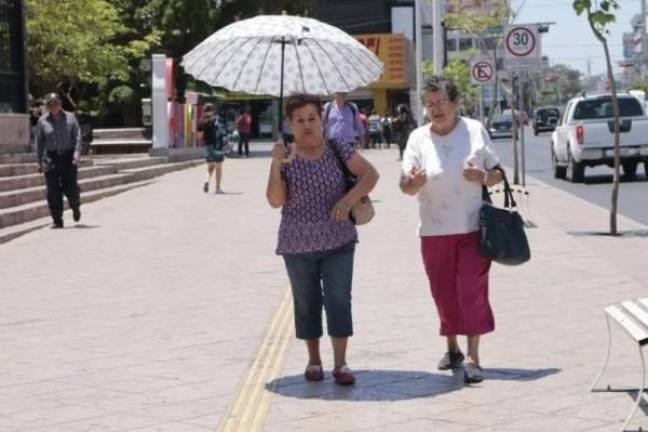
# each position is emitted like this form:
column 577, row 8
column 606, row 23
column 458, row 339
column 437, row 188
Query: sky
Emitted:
column 570, row 41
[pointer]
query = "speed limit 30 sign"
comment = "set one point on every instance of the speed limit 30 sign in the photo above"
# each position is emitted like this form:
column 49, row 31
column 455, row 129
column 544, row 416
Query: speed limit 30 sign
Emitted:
column 521, row 44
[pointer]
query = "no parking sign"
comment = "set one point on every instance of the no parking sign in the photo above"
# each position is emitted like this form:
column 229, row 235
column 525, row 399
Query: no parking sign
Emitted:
column 482, row 70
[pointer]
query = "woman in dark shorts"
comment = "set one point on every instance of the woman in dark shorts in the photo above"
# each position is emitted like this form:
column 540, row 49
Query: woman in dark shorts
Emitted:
column 316, row 237
column 214, row 134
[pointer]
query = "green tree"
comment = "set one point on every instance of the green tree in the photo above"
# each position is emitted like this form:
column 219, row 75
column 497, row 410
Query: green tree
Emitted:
column 561, row 84
column 486, row 28
column 69, row 45
column 459, row 72
column 600, row 16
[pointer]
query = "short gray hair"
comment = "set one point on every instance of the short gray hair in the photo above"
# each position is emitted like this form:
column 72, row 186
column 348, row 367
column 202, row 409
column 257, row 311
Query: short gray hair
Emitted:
column 440, row 82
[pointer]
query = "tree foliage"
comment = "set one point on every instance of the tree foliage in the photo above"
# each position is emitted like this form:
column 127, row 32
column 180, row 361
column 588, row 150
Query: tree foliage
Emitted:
column 562, row 84
column 91, row 50
column 475, row 22
column 482, row 26
column 70, row 44
column 459, row 72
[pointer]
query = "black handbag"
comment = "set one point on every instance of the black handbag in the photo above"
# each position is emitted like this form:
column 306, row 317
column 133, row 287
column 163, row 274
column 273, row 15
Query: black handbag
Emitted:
column 502, row 229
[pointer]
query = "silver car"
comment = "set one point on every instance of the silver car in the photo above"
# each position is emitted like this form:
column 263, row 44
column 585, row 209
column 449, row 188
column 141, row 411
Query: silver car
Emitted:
column 501, row 126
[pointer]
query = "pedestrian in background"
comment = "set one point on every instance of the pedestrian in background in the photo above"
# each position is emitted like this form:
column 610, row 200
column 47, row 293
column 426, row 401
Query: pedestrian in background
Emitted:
column 244, row 127
column 375, row 129
column 446, row 164
column 316, row 237
column 341, row 122
column 212, row 129
column 365, row 126
column 402, row 125
column 35, row 113
column 386, row 123
column 58, row 142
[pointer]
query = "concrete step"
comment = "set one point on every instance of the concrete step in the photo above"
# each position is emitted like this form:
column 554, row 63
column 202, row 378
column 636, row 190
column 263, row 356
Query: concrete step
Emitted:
column 11, row 149
column 18, row 221
column 149, row 172
column 122, row 134
column 21, row 169
column 25, row 196
column 18, row 158
column 34, row 180
column 126, row 163
column 12, row 232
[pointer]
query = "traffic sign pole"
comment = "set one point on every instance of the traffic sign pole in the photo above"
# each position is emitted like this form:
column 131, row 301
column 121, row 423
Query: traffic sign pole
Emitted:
column 521, row 108
column 516, row 170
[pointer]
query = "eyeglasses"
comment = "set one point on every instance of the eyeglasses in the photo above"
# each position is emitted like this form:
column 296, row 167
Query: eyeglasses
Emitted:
column 440, row 104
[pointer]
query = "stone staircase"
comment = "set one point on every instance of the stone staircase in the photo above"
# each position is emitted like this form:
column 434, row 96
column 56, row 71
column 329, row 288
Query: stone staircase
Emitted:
column 23, row 205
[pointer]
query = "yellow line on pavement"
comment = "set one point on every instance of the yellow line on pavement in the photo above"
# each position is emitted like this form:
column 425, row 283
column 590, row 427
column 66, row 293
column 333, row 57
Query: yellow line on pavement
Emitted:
column 251, row 402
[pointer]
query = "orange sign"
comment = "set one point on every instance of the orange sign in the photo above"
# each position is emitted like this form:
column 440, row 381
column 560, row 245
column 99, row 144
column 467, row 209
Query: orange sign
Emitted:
column 391, row 49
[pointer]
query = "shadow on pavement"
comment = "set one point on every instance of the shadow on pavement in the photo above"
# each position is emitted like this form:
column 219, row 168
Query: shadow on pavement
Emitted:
column 510, row 374
column 606, row 178
column 393, row 385
column 633, row 233
column 84, row 226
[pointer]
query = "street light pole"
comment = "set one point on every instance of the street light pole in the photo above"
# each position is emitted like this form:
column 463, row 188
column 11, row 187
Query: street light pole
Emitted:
column 416, row 103
column 437, row 27
column 643, row 38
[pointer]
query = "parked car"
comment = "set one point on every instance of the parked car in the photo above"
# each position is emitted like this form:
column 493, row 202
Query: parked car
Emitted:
column 545, row 119
column 501, row 126
column 585, row 136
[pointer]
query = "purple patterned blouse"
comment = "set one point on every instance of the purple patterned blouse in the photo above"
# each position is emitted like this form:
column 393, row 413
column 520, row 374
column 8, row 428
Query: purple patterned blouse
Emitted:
column 314, row 187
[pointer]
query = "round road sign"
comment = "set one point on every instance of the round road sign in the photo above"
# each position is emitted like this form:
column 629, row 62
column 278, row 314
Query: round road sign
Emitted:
column 520, row 41
column 482, row 71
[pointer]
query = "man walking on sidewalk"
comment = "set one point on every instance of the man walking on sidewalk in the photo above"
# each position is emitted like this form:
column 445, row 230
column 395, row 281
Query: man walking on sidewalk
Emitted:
column 58, row 141
column 341, row 122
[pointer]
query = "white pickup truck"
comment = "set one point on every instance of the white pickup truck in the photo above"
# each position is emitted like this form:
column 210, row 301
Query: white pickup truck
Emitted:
column 584, row 136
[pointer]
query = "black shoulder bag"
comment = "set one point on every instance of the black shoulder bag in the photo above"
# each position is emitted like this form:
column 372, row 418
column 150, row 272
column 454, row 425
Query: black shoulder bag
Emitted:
column 502, row 229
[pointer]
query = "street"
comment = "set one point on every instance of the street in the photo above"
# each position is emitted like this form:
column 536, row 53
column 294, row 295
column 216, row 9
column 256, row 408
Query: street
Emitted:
column 633, row 196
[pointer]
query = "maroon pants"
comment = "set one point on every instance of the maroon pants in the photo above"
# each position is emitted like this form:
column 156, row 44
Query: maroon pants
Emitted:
column 458, row 277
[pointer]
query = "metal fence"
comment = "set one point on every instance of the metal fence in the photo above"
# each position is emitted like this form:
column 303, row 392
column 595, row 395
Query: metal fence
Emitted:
column 13, row 95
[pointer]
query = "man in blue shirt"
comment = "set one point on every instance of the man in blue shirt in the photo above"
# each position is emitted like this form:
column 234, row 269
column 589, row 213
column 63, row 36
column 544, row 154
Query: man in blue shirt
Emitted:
column 342, row 121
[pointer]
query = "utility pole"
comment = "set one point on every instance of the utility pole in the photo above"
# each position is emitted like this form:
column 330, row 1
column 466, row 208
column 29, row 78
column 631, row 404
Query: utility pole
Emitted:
column 437, row 27
column 417, row 106
column 514, row 119
column 643, row 38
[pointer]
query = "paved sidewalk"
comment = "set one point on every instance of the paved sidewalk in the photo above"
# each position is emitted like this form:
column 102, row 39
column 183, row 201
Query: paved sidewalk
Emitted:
column 148, row 319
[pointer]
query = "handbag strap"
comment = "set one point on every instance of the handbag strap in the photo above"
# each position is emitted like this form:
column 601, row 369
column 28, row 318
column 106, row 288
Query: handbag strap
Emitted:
column 509, row 200
column 348, row 175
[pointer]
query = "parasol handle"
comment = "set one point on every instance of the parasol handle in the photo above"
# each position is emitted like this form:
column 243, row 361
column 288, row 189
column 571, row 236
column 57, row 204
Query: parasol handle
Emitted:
column 283, row 49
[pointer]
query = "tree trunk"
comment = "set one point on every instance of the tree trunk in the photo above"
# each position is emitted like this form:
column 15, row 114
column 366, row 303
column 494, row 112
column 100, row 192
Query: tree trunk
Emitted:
column 617, row 145
column 615, row 111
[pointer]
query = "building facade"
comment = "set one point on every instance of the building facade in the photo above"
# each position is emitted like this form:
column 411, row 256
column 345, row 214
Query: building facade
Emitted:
column 387, row 27
column 632, row 52
column 14, row 122
column 13, row 80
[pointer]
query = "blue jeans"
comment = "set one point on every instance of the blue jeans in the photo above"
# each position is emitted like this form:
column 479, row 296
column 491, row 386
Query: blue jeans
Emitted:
column 322, row 279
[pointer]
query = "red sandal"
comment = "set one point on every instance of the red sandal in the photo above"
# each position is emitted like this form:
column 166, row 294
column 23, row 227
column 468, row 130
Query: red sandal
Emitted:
column 344, row 376
column 314, row 373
